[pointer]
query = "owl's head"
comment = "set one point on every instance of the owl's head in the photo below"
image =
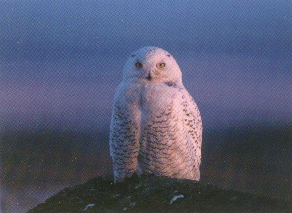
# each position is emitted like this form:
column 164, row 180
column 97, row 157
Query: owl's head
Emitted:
column 152, row 64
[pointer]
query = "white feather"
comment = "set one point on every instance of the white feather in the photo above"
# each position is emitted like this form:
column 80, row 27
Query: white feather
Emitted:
column 156, row 126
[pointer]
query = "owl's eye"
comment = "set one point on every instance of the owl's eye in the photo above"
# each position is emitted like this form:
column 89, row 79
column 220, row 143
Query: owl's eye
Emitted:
column 160, row 65
column 139, row 65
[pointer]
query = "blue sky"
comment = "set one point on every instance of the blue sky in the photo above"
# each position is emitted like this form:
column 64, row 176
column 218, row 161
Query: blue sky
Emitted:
column 60, row 61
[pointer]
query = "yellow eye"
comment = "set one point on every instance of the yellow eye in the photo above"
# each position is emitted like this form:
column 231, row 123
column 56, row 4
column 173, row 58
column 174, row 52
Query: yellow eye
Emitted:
column 139, row 65
column 160, row 65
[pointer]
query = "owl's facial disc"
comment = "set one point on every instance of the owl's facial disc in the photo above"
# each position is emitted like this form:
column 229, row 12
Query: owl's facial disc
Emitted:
column 151, row 71
column 152, row 65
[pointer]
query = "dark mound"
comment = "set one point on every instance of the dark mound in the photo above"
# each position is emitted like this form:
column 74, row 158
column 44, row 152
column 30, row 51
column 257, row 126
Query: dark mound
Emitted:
column 155, row 194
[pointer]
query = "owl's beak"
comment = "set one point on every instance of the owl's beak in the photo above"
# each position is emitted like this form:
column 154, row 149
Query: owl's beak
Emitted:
column 149, row 77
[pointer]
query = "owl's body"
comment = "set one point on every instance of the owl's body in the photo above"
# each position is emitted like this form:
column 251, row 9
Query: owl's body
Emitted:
column 156, row 126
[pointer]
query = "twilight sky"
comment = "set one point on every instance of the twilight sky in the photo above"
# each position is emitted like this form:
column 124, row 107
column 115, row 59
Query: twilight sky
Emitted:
column 60, row 61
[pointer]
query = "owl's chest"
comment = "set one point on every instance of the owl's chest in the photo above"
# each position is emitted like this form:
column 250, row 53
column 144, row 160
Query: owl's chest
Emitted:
column 156, row 98
column 149, row 98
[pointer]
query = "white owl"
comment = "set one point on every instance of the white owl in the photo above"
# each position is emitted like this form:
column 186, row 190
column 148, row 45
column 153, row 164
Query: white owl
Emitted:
column 156, row 126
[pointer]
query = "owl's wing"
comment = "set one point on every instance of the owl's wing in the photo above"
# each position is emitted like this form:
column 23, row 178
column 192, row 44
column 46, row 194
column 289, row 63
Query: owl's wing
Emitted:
column 124, row 139
column 172, row 136
column 191, row 119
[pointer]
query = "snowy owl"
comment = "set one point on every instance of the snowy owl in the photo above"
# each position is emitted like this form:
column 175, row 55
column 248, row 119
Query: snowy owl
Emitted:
column 156, row 126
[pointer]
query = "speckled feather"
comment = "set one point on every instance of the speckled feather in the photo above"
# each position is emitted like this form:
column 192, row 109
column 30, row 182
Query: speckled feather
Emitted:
column 156, row 126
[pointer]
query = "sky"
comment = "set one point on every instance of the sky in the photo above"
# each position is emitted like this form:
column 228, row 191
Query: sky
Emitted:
column 60, row 61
